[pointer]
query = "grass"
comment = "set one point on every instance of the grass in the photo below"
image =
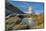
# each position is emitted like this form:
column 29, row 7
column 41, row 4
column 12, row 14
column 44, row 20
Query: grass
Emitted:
column 38, row 18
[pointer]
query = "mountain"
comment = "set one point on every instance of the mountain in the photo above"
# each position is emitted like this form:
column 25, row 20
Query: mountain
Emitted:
column 12, row 9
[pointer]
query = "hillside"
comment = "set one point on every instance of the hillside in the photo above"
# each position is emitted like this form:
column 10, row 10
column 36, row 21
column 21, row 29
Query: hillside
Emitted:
column 14, row 22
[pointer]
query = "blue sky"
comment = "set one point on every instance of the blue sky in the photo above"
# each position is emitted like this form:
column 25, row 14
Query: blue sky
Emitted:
column 37, row 6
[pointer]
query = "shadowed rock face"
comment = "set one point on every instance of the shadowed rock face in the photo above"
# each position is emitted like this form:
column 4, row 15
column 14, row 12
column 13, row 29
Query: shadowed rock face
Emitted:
column 12, row 9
